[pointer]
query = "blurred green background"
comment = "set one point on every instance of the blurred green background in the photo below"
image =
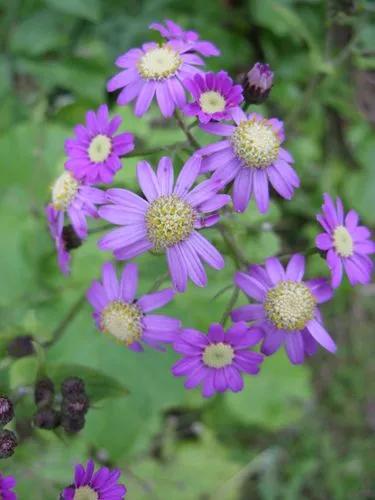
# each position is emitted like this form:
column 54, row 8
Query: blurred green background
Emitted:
column 294, row 432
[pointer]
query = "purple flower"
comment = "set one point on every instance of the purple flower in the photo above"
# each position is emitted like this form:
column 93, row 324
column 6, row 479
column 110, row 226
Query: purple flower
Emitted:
column 347, row 244
column 286, row 308
column 252, row 155
column 172, row 31
column 94, row 154
column 217, row 360
column 126, row 318
column 257, row 83
column 167, row 220
column 101, row 485
column 155, row 70
column 7, row 483
column 214, row 96
column 76, row 199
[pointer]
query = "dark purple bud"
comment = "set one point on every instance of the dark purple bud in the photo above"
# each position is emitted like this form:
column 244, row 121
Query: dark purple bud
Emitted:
column 44, row 392
column 70, row 238
column 72, row 385
column 8, row 443
column 75, row 405
column 6, row 410
column 257, row 83
column 47, row 418
column 72, row 425
column 21, row 346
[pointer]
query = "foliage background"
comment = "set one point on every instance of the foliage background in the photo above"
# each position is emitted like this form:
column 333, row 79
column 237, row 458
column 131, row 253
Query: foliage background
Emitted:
column 295, row 432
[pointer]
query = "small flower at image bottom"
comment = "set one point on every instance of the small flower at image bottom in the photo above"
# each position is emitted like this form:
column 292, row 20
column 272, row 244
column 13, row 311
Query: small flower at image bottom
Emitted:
column 7, row 483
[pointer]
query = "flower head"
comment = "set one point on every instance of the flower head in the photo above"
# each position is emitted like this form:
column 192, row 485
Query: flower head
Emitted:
column 258, row 83
column 155, row 70
column 94, row 153
column 6, row 410
column 252, row 155
column 118, row 312
column 214, row 96
column 287, row 307
column 167, row 220
column 217, row 360
column 7, row 483
column 172, row 31
column 101, row 485
column 347, row 244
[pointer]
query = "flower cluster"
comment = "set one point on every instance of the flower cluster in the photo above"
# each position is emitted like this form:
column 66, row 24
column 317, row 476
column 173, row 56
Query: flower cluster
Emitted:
column 173, row 207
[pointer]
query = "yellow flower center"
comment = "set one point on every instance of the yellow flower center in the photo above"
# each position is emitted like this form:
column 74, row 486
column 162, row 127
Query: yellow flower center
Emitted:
column 290, row 305
column 85, row 493
column 159, row 63
column 212, row 102
column 100, row 148
column 255, row 143
column 343, row 241
column 218, row 355
column 64, row 191
column 169, row 220
column 123, row 321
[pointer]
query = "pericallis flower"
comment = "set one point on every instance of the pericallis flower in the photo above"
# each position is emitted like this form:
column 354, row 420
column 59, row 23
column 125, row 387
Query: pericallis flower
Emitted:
column 78, row 200
column 172, row 31
column 252, row 155
column 101, row 485
column 155, row 70
column 7, row 483
column 257, row 83
column 119, row 313
column 347, row 244
column 167, row 220
column 217, row 360
column 94, row 154
column 214, row 95
column 287, row 307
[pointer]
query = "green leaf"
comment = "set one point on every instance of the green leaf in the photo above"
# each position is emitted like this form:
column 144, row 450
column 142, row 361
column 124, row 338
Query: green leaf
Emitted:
column 86, row 9
column 99, row 385
column 23, row 372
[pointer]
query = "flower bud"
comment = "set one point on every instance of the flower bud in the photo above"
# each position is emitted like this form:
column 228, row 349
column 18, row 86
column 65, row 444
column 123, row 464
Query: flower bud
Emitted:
column 47, row 418
column 44, row 392
column 8, row 443
column 73, row 425
column 75, row 405
column 72, row 385
column 257, row 83
column 70, row 238
column 21, row 346
column 6, row 410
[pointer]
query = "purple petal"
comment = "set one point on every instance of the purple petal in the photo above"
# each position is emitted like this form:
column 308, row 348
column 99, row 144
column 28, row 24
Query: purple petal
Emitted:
column 148, row 181
column 177, row 268
column 207, row 251
column 275, row 270
column 294, row 347
column 323, row 241
column 155, row 300
column 129, row 282
column 249, row 312
column 260, row 189
column 250, row 286
column 295, row 268
column 272, row 340
column 321, row 335
column 110, row 282
column 188, row 174
column 242, row 189
column 145, row 97
column 165, row 176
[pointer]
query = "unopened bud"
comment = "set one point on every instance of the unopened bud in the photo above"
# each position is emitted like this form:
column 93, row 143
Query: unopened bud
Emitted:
column 44, row 392
column 47, row 418
column 73, row 425
column 21, row 346
column 257, row 83
column 6, row 410
column 70, row 238
column 8, row 443
column 75, row 405
column 72, row 385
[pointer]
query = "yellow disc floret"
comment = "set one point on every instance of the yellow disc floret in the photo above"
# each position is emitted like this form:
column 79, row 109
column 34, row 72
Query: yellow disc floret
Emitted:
column 218, row 355
column 212, row 102
column 159, row 63
column 256, row 143
column 64, row 191
column 342, row 241
column 85, row 493
column 290, row 305
column 100, row 148
column 123, row 321
column 169, row 221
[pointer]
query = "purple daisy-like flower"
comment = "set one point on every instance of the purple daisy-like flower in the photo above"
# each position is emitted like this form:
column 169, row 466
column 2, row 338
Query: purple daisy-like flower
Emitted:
column 172, row 31
column 214, row 95
column 217, row 360
column 167, row 220
column 94, row 154
column 77, row 200
column 155, row 70
column 7, row 483
column 347, row 244
column 287, row 307
column 89, row 485
column 126, row 318
column 252, row 155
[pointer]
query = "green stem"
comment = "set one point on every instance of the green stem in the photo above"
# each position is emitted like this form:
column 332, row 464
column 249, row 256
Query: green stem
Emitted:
column 193, row 142
column 236, row 253
column 231, row 303
column 159, row 149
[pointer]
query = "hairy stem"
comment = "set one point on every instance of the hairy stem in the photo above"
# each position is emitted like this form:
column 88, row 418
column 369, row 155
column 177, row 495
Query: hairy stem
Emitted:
column 192, row 140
